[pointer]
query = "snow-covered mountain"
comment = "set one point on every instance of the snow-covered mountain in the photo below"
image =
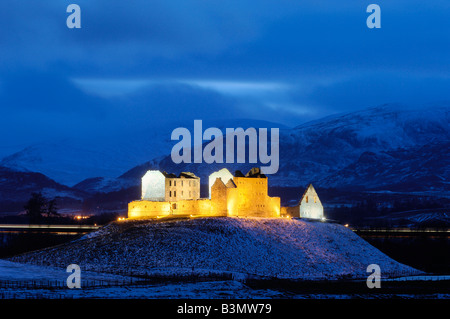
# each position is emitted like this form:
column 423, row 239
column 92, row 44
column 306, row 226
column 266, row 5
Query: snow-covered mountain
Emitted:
column 70, row 161
column 383, row 139
column 390, row 147
column 385, row 147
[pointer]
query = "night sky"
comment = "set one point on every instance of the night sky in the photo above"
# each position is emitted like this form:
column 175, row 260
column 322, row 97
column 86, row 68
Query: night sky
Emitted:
column 135, row 64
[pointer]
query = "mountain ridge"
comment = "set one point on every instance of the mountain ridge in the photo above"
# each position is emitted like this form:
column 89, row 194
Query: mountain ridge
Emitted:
column 384, row 148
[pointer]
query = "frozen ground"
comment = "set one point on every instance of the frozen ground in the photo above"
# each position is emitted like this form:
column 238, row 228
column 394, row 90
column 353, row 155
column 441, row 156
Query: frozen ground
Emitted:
column 24, row 281
column 222, row 253
column 252, row 247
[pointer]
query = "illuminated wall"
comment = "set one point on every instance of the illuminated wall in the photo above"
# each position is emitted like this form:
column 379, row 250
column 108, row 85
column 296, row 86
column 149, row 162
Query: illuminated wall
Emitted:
column 223, row 174
column 167, row 195
column 146, row 209
column 310, row 205
column 219, row 197
column 182, row 208
column 252, row 198
column 157, row 186
column 181, row 188
column 153, row 186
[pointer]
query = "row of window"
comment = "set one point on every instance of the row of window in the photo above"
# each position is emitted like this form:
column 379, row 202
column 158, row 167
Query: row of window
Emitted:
column 182, row 193
column 194, row 183
column 260, row 183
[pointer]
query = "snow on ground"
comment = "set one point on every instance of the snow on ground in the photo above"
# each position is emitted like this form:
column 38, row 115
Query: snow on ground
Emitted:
column 250, row 247
column 212, row 258
column 19, row 272
column 25, row 281
column 421, row 278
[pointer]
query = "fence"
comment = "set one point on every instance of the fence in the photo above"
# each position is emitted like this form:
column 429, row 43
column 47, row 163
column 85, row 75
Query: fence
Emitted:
column 51, row 287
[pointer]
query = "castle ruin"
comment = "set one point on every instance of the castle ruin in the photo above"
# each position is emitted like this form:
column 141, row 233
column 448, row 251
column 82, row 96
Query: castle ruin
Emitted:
column 235, row 195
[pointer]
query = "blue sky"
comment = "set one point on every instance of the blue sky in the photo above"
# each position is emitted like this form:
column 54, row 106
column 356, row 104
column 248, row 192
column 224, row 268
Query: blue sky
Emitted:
column 140, row 63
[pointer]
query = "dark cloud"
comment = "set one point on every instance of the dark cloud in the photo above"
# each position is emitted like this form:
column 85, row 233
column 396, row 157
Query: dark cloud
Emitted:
column 376, row 89
column 28, row 90
column 173, row 102
column 321, row 49
column 37, row 105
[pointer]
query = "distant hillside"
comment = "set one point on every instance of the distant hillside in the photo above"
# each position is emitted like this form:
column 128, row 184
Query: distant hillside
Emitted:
column 283, row 248
column 69, row 161
column 16, row 188
column 389, row 147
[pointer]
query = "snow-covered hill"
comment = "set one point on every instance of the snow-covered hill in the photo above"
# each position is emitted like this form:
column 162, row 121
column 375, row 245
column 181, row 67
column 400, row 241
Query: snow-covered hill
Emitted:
column 70, row 161
column 412, row 139
column 283, row 248
column 390, row 147
column 385, row 148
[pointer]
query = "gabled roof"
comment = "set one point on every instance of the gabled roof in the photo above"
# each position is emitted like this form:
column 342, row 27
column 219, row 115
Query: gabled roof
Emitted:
column 309, row 188
column 231, row 184
column 218, row 183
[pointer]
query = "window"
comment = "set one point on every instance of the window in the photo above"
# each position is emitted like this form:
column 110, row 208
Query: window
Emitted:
column 306, row 199
column 170, row 193
column 174, row 183
column 174, row 193
column 182, row 191
column 170, row 183
column 181, row 185
column 174, row 206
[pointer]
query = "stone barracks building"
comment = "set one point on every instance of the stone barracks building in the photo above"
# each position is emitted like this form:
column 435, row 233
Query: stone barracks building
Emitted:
column 240, row 195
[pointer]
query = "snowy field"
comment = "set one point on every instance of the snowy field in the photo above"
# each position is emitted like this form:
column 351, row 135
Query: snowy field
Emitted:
column 24, row 281
column 266, row 248
column 201, row 258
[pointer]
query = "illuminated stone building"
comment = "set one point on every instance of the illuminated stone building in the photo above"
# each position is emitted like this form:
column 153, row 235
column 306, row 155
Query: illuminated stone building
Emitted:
column 244, row 196
column 309, row 206
column 161, row 186
column 239, row 195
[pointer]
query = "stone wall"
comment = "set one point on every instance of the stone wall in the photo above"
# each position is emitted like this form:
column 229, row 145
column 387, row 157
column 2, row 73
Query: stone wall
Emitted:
column 310, row 205
column 239, row 196
column 146, row 209
column 182, row 188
